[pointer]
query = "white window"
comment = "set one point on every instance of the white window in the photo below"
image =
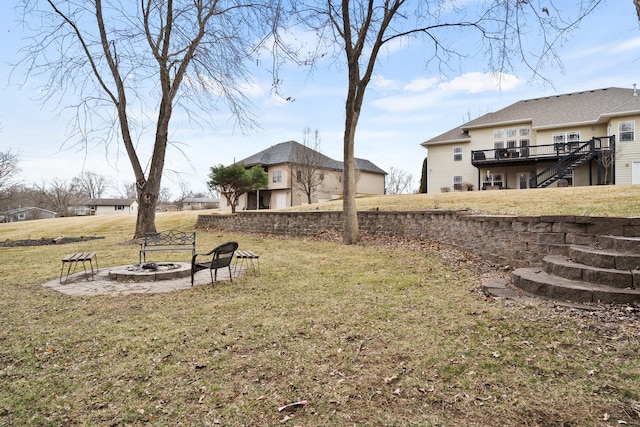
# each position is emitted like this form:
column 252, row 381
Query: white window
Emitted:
column 626, row 131
column 511, row 135
column 573, row 136
column 492, row 180
column 562, row 137
column 559, row 138
column 457, row 154
column 22, row 216
column 457, row 182
column 276, row 176
column 524, row 144
column 119, row 207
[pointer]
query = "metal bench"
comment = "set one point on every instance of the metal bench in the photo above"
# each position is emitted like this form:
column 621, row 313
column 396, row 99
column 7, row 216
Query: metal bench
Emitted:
column 247, row 259
column 73, row 259
column 170, row 240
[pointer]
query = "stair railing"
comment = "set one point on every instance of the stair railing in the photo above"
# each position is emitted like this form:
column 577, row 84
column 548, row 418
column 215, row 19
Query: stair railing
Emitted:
column 565, row 164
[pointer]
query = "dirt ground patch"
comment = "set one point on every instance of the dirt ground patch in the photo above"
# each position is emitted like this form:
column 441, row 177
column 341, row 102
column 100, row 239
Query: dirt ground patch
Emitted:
column 44, row 241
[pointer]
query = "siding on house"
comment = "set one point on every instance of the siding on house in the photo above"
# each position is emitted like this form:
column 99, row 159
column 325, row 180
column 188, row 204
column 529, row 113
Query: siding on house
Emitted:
column 281, row 163
column 589, row 114
column 83, row 207
column 28, row 214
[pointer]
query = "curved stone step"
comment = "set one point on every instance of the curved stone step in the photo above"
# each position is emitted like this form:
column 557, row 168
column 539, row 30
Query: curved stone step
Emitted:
column 604, row 258
column 620, row 243
column 558, row 265
column 536, row 281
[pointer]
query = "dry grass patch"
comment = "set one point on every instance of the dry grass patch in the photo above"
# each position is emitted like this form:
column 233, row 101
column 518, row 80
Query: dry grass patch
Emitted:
column 373, row 334
column 618, row 200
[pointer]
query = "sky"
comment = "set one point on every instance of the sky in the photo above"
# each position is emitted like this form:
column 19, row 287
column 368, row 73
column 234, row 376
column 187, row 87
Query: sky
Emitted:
column 407, row 103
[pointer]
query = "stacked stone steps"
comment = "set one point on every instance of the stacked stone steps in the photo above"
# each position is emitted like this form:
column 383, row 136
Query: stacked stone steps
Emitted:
column 608, row 272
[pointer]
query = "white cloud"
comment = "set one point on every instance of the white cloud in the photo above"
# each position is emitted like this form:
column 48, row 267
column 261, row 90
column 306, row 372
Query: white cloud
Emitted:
column 421, row 94
column 477, row 82
column 397, row 44
column 632, row 45
column 420, row 85
column 382, row 83
column 252, row 90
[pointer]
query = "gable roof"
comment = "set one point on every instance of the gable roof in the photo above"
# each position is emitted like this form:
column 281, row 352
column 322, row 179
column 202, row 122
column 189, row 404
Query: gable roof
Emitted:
column 288, row 152
column 30, row 208
column 572, row 109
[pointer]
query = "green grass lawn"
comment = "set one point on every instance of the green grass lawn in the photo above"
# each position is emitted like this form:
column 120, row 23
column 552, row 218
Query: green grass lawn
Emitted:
column 370, row 334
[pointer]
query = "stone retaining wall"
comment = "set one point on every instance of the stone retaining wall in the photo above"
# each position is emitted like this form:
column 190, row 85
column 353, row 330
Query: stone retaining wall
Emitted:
column 517, row 241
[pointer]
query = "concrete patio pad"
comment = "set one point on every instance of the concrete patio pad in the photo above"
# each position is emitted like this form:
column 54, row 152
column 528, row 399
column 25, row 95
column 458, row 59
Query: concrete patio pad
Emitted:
column 78, row 285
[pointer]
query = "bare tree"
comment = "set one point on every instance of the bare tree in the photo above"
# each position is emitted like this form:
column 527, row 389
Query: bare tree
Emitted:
column 359, row 29
column 123, row 59
column 607, row 158
column 165, row 195
column 129, row 191
column 398, row 181
column 309, row 164
column 90, row 184
column 8, row 171
column 185, row 191
column 56, row 196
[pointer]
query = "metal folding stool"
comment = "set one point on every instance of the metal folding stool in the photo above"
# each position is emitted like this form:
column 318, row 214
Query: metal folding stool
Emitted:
column 74, row 259
column 247, row 259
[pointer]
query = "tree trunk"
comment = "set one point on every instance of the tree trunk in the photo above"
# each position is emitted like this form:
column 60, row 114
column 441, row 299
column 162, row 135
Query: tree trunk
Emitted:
column 351, row 229
column 149, row 189
column 146, row 222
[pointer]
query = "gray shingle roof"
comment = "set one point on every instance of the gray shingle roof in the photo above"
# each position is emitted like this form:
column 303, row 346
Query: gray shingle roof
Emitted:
column 287, row 152
column 572, row 109
column 30, row 208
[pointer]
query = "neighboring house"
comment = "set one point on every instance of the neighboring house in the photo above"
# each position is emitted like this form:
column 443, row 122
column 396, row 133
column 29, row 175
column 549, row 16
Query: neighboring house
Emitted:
column 286, row 162
column 167, row 207
column 103, row 206
column 580, row 139
column 196, row 203
column 28, row 214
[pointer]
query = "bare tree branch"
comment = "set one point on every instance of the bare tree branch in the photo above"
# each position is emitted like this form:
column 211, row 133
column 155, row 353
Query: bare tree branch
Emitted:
column 130, row 64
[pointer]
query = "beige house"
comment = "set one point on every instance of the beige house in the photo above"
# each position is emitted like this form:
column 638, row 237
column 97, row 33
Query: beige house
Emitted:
column 580, row 139
column 104, row 207
column 290, row 164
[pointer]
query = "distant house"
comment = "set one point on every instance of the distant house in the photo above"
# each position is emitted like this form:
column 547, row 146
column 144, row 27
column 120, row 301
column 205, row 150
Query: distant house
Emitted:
column 285, row 164
column 197, row 203
column 167, row 207
column 28, row 214
column 103, row 207
column 576, row 139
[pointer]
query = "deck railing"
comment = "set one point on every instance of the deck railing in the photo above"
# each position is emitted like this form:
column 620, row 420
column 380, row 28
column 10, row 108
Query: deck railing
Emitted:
column 551, row 151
